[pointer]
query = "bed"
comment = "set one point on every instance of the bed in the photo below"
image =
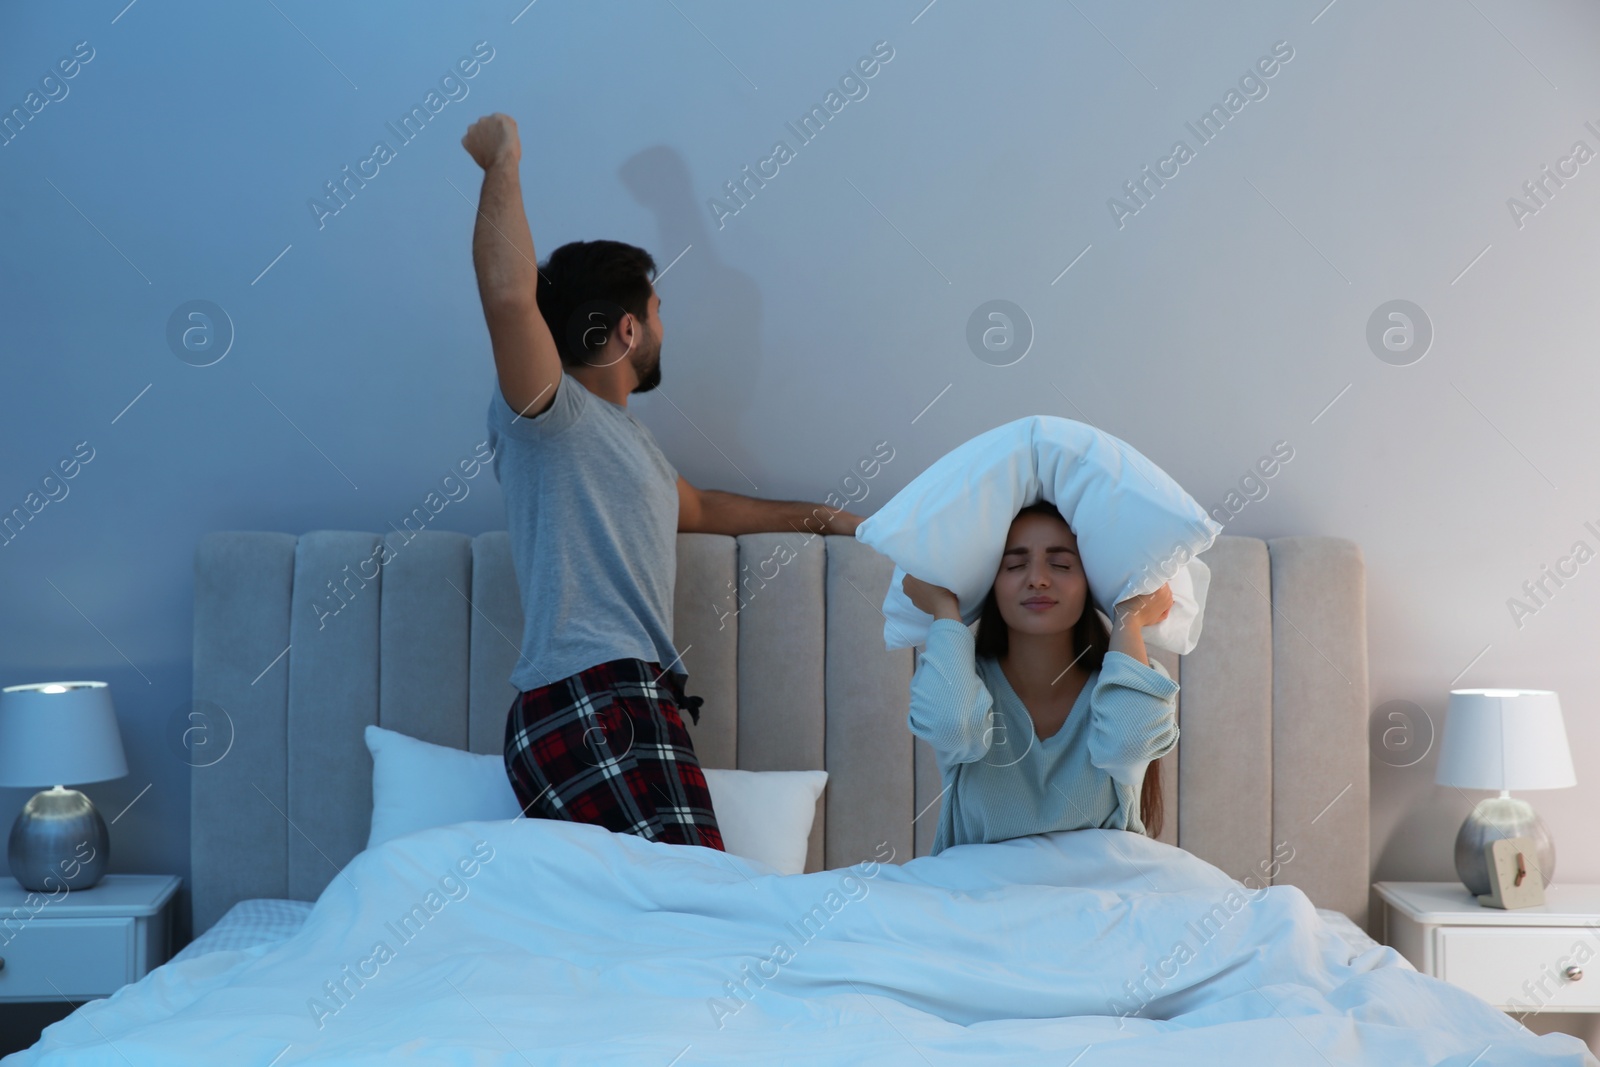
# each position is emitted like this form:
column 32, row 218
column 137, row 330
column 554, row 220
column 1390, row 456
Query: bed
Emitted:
column 1237, row 936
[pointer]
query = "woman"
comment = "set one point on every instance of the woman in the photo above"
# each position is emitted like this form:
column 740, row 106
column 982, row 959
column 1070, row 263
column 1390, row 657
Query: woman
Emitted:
column 1042, row 721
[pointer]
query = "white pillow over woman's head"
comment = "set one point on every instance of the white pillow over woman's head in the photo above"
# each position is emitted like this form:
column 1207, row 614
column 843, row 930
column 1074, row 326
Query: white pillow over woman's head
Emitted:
column 763, row 815
column 1136, row 528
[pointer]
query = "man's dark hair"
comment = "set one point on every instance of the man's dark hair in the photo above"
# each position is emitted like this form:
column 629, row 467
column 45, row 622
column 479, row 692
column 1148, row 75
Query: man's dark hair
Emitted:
column 584, row 289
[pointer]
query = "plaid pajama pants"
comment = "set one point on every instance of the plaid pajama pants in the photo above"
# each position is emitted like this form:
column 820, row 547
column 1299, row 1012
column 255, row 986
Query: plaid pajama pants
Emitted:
column 607, row 746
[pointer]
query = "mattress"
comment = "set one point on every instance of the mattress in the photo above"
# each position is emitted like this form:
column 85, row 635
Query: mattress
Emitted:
column 249, row 923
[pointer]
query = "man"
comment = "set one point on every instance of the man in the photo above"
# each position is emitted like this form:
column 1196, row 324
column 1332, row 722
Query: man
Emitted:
column 594, row 509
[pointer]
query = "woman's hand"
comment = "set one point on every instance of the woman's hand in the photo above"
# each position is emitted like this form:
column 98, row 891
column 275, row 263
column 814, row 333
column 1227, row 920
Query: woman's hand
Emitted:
column 1146, row 610
column 936, row 600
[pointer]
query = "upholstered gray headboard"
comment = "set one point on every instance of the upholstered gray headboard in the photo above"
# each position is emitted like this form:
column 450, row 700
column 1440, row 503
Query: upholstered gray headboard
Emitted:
column 302, row 641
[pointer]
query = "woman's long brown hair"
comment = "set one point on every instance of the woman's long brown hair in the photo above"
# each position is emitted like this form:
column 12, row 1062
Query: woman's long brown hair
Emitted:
column 1090, row 637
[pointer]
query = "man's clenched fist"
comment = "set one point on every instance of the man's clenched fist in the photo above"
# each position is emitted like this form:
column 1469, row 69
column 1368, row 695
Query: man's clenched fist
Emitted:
column 491, row 139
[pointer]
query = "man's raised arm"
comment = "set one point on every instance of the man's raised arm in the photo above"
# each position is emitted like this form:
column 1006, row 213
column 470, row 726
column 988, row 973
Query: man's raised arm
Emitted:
column 525, row 356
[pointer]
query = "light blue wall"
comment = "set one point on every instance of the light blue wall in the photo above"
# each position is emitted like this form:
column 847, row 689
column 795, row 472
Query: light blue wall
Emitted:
column 1227, row 315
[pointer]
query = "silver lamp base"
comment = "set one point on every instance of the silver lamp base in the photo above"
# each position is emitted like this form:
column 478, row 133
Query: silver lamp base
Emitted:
column 59, row 839
column 1491, row 820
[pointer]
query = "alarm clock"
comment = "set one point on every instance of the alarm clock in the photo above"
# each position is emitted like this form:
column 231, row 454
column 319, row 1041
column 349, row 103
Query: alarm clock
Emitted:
column 1514, row 878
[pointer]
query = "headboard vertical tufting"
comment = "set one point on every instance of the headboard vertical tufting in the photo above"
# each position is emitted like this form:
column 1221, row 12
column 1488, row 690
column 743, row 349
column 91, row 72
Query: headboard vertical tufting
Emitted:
column 302, row 641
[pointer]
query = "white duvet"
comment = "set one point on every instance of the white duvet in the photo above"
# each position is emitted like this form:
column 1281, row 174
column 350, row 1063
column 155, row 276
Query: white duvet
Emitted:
column 542, row 942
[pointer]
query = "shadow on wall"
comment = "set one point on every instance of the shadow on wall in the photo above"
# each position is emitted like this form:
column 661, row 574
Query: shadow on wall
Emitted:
column 719, row 346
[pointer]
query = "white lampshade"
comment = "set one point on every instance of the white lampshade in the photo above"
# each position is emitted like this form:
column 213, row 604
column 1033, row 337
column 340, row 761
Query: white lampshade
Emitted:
column 59, row 733
column 1504, row 739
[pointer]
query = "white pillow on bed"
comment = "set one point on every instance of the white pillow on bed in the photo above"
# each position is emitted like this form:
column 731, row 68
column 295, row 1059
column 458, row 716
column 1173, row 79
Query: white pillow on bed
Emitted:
column 417, row 785
column 1136, row 527
column 763, row 815
column 766, row 815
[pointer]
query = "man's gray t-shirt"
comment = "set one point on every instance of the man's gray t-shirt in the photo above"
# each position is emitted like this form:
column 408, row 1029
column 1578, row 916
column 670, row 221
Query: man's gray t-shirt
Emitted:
column 592, row 512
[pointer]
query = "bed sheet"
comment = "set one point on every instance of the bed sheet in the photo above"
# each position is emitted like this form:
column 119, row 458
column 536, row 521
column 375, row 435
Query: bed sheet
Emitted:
column 536, row 941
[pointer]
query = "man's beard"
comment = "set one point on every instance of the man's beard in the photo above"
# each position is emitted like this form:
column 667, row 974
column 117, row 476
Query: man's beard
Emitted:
column 650, row 377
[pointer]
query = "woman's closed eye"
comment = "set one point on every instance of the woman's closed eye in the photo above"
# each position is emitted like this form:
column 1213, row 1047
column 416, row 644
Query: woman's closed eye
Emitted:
column 1062, row 566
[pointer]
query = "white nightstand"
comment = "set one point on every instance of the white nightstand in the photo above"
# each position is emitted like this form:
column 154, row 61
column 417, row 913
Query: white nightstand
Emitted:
column 84, row 944
column 1545, row 957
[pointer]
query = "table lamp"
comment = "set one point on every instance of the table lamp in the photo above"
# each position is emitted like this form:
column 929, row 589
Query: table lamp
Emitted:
column 52, row 733
column 1503, row 739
